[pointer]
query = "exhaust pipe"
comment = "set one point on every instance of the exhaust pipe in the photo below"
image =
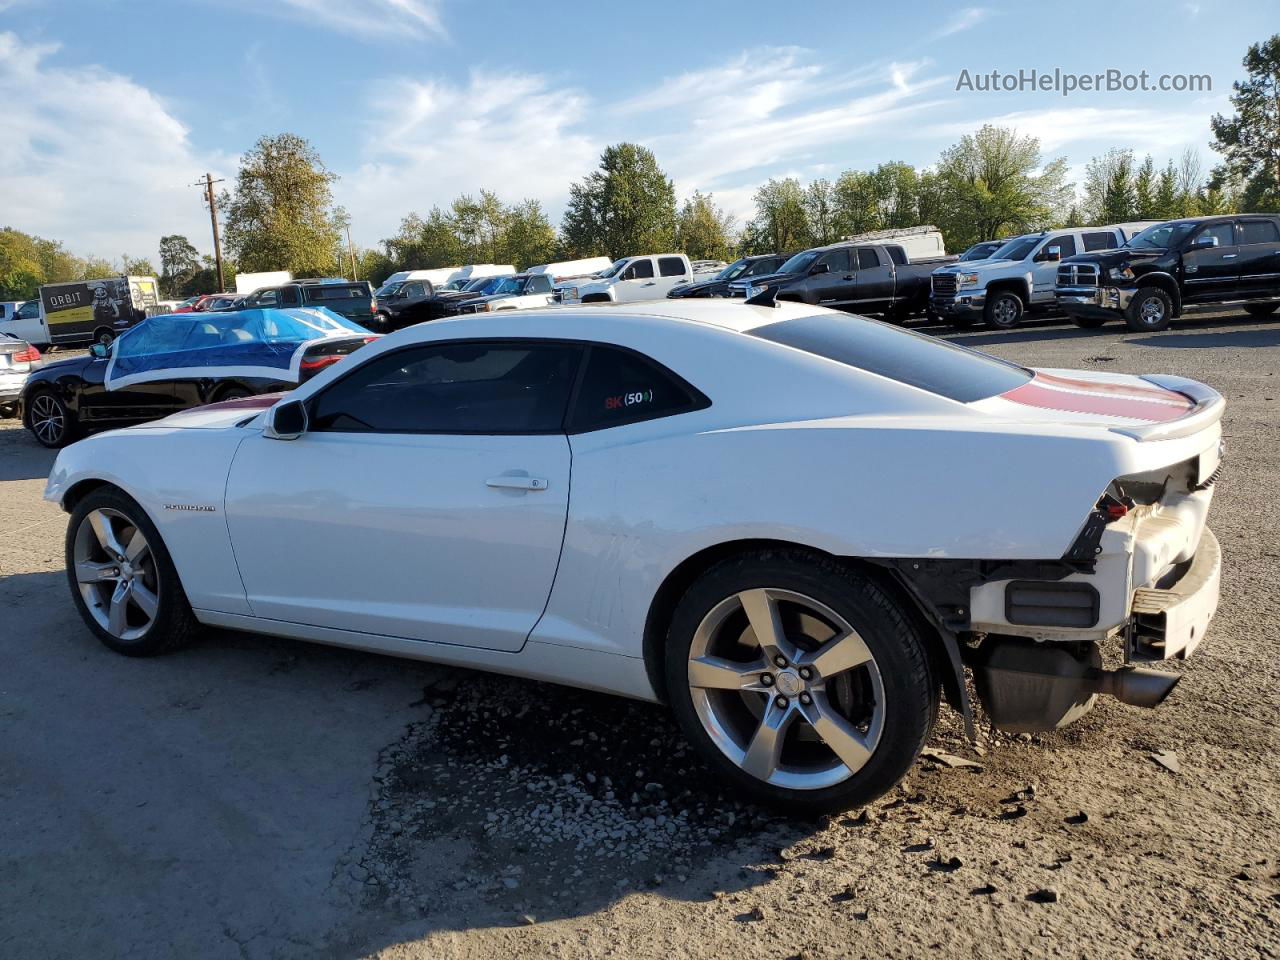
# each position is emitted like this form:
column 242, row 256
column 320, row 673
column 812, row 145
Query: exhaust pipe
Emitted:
column 1136, row 686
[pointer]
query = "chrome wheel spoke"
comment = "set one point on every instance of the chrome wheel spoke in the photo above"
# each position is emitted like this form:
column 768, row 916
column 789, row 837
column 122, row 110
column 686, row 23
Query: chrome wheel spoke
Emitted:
column 765, row 749
column 117, row 611
column 841, row 654
column 144, row 599
column 89, row 571
column 717, row 673
column 105, row 533
column 844, row 739
column 766, row 623
column 137, row 548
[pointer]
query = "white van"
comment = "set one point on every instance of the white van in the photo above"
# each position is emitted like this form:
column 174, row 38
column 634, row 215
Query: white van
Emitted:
column 573, row 269
column 22, row 319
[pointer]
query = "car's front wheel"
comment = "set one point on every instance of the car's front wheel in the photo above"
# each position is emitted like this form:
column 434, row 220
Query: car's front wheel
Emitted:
column 1150, row 310
column 1003, row 310
column 122, row 578
column 50, row 421
column 801, row 680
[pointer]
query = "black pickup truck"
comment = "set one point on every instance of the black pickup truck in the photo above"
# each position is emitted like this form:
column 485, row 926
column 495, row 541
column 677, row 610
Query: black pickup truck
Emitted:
column 1199, row 261
column 858, row 277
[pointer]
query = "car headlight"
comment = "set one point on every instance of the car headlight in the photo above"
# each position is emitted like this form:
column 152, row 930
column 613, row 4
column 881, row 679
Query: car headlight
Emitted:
column 966, row 279
column 1121, row 273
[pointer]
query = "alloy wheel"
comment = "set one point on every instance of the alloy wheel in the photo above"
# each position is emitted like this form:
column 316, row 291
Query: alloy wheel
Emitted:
column 116, row 573
column 786, row 689
column 48, row 418
column 1005, row 312
column 1152, row 311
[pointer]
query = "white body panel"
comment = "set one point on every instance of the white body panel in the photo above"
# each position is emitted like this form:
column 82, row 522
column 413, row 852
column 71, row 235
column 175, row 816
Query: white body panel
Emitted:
column 249, row 282
column 34, row 329
column 398, row 543
column 572, row 269
column 622, row 288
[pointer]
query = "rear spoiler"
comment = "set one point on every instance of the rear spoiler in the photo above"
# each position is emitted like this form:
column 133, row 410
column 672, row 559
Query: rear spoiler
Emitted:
column 1207, row 410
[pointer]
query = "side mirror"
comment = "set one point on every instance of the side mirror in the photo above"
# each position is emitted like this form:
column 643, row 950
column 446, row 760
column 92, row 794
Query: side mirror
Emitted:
column 99, row 351
column 821, row 268
column 1052, row 253
column 286, row 421
column 1205, row 242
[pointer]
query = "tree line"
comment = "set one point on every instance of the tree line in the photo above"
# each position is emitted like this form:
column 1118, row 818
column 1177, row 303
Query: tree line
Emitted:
column 280, row 213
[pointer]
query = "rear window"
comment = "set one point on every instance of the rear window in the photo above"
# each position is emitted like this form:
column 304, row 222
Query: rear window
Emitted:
column 336, row 291
column 950, row 371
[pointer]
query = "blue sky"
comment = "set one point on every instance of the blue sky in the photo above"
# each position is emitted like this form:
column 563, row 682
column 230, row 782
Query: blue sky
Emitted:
column 115, row 106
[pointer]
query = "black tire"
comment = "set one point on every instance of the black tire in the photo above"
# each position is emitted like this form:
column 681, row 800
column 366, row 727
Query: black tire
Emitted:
column 1004, row 310
column 50, row 422
column 909, row 688
column 595, row 298
column 1150, row 311
column 8, row 411
column 174, row 625
column 1087, row 322
column 1261, row 309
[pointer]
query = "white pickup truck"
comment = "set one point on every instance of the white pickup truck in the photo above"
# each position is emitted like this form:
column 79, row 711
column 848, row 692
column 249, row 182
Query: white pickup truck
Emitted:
column 1020, row 276
column 646, row 277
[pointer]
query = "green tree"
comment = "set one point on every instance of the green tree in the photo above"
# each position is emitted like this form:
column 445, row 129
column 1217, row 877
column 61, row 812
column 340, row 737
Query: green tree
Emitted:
column 528, row 237
column 1164, row 205
column 179, row 261
column 1249, row 140
column 781, row 223
column 1144, row 190
column 96, row 268
column 703, row 230
column 626, row 206
column 855, row 208
column 1110, row 195
column 138, row 267
column 992, row 184
column 279, row 216
column 21, row 271
column 820, row 210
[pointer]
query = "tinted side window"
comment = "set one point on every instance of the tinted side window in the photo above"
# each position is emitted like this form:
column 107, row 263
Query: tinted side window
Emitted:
column 1098, row 241
column 837, row 260
column 762, row 267
column 671, row 267
column 640, row 270
column 289, row 297
column 622, row 387
column 1258, row 231
column 867, row 258
column 28, row 310
column 486, row 388
column 1066, row 243
column 1220, row 230
column 897, row 255
column 540, row 283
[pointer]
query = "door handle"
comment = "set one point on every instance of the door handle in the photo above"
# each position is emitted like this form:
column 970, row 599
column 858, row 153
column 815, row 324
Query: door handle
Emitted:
column 517, row 483
column 1230, row 256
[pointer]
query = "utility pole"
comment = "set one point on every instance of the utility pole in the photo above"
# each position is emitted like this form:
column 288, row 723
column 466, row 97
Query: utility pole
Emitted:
column 208, row 183
column 351, row 252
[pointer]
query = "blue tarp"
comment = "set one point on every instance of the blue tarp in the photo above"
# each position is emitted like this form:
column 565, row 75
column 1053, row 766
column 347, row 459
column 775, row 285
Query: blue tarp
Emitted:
column 244, row 343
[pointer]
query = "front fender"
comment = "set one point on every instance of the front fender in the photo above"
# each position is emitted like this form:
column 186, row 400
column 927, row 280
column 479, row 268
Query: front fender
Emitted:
column 178, row 477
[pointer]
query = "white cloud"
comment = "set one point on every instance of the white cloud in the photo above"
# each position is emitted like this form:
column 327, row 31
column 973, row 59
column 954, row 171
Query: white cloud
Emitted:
column 1156, row 129
column 963, row 19
column 415, row 18
column 93, row 159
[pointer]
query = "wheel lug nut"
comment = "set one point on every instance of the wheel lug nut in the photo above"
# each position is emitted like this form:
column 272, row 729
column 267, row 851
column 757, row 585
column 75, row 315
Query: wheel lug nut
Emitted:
column 806, row 699
column 805, row 673
column 780, row 660
column 780, row 703
column 767, row 679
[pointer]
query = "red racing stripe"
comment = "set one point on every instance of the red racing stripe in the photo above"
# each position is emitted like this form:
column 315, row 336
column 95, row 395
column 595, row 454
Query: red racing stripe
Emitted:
column 1152, row 404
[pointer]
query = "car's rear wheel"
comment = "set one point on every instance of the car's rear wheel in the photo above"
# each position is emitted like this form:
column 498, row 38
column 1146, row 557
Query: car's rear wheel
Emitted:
column 50, row 422
column 1261, row 309
column 801, row 680
column 1003, row 310
column 122, row 578
column 1149, row 311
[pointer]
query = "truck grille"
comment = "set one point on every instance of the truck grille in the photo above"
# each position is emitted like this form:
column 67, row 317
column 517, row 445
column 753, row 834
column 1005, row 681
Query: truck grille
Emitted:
column 1078, row 275
column 944, row 284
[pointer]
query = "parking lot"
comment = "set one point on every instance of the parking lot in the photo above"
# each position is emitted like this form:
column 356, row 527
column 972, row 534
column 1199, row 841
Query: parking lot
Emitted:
column 254, row 797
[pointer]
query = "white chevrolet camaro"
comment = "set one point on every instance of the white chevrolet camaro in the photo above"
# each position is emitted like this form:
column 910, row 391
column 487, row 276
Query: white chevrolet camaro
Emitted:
column 794, row 526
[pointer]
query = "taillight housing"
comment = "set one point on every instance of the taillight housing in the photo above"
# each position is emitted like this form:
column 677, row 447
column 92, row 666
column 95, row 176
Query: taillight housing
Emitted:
column 29, row 355
column 319, row 363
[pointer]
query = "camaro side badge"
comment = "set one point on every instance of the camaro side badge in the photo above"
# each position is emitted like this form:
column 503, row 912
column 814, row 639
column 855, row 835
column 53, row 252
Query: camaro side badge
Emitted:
column 191, row 507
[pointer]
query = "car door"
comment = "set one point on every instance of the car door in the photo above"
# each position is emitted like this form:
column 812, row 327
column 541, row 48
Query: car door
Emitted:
column 873, row 286
column 831, row 281
column 1044, row 272
column 1211, row 263
column 426, row 500
column 637, row 281
column 538, row 292
column 135, row 403
column 1258, row 239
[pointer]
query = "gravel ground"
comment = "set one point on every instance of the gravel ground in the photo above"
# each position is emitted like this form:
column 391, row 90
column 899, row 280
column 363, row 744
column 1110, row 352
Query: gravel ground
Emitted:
column 252, row 797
